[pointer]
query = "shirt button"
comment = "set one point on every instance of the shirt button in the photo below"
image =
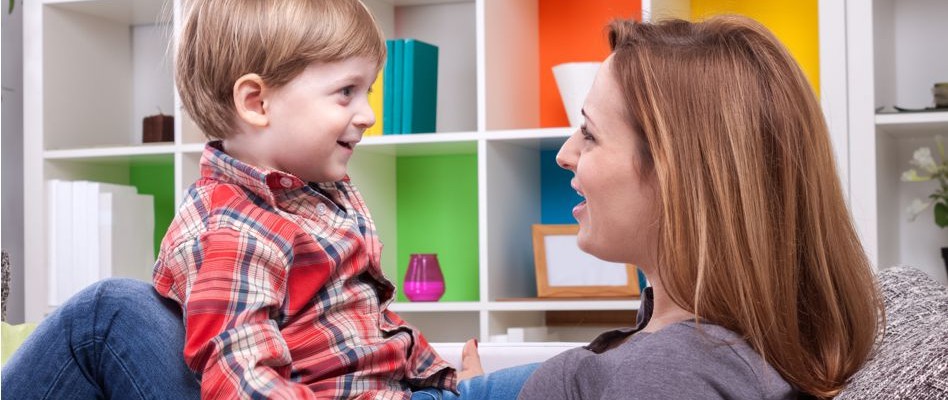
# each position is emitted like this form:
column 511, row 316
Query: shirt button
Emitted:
column 286, row 182
column 321, row 208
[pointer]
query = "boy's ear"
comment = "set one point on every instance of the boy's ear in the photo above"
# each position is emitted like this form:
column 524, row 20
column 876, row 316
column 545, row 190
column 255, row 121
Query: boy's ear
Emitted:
column 250, row 100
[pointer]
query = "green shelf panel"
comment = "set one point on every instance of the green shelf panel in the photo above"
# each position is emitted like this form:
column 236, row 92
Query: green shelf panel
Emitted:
column 156, row 177
column 437, row 213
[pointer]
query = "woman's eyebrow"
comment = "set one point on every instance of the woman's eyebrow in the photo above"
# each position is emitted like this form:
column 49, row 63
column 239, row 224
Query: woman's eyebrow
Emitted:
column 586, row 116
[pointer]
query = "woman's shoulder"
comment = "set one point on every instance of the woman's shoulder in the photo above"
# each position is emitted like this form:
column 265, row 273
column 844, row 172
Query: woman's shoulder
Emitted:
column 702, row 358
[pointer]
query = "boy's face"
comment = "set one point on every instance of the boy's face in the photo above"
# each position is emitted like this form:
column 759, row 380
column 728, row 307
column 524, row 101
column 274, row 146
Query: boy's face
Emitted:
column 318, row 117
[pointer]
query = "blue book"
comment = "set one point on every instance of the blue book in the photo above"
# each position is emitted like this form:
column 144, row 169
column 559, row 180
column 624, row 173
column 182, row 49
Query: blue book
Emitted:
column 388, row 89
column 420, row 87
column 398, row 72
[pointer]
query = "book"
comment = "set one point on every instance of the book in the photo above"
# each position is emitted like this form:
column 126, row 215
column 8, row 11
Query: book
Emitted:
column 111, row 199
column 398, row 86
column 127, row 247
column 376, row 101
column 96, row 230
column 388, row 88
column 530, row 334
column 59, row 252
column 81, row 269
column 419, row 87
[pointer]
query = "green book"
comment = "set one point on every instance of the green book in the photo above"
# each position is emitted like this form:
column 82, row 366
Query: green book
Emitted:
column 388, row 89
column 398, row 72
column 420, row 87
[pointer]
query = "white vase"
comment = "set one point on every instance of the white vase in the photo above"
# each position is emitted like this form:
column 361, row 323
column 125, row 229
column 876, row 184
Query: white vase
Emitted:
column 574, row 80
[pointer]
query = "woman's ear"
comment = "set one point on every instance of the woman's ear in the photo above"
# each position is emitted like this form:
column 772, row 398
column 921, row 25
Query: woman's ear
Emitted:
column 250, row 100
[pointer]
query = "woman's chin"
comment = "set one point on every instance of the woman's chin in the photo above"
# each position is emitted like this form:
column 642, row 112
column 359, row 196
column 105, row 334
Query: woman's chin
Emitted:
column 584, row 242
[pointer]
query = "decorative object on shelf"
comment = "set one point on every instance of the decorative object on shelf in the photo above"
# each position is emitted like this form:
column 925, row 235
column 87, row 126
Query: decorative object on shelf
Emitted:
column 563, row 270
column 915, row 110
column 423, row 280
column 926, row 169
column 158, row 128
column 940, row 93
column 574, row 81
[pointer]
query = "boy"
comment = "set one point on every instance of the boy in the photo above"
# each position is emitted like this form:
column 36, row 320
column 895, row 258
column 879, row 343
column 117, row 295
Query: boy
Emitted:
column 277, row 275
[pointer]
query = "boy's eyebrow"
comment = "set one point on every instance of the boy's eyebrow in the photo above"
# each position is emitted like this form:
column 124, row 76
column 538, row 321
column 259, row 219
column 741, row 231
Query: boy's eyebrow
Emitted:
column 354, row 77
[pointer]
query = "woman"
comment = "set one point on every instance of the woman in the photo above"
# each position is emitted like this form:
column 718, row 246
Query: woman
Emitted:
column 705, row 160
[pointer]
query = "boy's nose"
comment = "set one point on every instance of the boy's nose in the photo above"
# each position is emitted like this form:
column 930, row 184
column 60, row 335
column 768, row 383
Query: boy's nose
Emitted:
column 365, row 116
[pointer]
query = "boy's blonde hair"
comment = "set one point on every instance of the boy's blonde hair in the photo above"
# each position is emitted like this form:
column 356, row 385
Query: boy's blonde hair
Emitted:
column 222, row 40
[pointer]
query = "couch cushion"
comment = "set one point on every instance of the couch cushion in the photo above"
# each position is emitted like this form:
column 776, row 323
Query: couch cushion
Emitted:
column 912, row 360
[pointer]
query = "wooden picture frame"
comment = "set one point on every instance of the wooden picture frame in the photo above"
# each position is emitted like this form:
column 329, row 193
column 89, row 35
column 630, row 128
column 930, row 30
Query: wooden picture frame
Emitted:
column 563, row 270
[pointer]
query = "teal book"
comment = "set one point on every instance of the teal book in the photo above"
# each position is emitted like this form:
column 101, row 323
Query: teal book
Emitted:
column 388, row 89
column 420, row 87
column 398, row 71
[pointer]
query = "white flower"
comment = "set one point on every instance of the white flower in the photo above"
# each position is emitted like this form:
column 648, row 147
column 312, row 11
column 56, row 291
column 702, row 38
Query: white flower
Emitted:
column 913, row 176
column 916, row 208
column 923, row 159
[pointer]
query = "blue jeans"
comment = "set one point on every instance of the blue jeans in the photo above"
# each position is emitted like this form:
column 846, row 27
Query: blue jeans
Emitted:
column 119, row 339
column 504, row 384
column 115, row 339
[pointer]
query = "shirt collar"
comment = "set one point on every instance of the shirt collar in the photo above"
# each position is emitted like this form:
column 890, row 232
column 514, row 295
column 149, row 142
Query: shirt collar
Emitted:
column 266, row 183
column 610, row 339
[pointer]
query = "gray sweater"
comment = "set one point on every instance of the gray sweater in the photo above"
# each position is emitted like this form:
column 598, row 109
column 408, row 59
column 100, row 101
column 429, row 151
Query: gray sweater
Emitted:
column 681, row 361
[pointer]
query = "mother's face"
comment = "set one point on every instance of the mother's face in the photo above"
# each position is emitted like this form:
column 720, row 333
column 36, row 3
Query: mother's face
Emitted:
column 618, row 220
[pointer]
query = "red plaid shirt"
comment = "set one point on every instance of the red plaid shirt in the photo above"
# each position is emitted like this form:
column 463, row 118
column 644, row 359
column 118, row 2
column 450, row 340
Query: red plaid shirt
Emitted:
column 282, row 292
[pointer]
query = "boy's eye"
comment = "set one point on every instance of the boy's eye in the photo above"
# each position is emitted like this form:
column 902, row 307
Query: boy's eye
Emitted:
column 347, row 91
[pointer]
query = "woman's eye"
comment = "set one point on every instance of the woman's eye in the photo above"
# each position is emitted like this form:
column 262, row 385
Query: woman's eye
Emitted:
column 586, row 134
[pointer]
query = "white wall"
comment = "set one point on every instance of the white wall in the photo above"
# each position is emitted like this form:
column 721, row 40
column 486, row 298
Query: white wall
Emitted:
column 12, row 155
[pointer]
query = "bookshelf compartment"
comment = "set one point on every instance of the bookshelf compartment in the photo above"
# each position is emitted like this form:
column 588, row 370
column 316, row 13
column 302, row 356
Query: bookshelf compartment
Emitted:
column 525, row 186
column 560, row 326
column 152, row 175
column 437, row 212
column 906, row 66
column 449, row 25
column 423, row 198
column 523, row 40
column 449, row 326
column 901, row 241
column 117, row 73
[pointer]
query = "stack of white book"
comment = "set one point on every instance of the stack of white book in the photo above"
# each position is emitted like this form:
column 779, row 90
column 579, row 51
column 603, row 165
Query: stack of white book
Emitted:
column 96, row 231
column 522, row 334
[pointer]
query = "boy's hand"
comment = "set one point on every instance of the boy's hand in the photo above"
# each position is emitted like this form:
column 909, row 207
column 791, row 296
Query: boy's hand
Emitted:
column 470, row 361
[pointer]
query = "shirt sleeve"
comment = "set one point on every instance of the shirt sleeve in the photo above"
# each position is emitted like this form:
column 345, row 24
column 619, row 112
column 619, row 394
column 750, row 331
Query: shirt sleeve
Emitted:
column 235, row 288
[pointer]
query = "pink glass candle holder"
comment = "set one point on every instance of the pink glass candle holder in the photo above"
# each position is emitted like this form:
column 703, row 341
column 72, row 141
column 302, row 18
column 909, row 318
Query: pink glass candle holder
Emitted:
column 423, row 280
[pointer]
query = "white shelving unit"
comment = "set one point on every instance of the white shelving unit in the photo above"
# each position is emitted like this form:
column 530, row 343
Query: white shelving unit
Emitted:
column 95, row 68
column 892, row 61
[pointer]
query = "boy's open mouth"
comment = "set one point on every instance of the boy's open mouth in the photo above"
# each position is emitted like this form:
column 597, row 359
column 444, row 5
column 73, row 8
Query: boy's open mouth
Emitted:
column 348, row 145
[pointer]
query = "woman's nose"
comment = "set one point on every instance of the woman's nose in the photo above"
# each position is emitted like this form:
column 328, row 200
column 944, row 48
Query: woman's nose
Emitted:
column 566, row 157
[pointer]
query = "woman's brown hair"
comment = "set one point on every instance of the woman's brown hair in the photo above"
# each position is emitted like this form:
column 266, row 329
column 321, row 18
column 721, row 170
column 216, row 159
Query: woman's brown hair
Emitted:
column 755, row 232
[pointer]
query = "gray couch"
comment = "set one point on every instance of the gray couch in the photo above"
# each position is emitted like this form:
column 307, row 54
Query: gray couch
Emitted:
column 911, row 362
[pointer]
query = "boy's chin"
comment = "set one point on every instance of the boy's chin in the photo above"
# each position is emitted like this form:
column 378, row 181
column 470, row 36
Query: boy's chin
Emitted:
column 331, row 177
